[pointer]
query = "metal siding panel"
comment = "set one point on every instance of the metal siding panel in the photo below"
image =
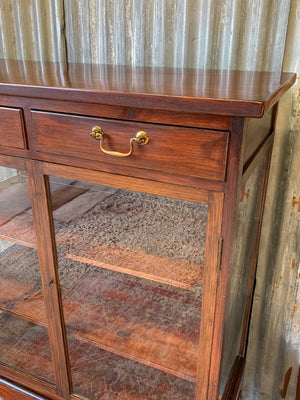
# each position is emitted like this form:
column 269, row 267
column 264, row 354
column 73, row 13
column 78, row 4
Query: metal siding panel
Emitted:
column 32, row 30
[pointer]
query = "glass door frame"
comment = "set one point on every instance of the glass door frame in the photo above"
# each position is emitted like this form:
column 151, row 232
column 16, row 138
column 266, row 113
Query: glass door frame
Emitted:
column 37, row 175
column 214, row 200
column 6, row 371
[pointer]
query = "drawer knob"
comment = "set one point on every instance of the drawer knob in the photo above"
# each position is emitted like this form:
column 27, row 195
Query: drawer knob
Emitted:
column 141, row 138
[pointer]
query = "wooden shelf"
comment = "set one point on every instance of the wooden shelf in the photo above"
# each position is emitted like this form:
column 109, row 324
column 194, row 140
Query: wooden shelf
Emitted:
column 75, row 203
column 95, row 371
column 130, row 317
column 177, row 273
column 173, row 272
column 159, row 321
column 16, row 224
column 19, row 230
column 15, row 212
column 20, row 285
column 14, row 199
column 142, row 265
column 155, row 325
column 143, row 235
column 25, row 347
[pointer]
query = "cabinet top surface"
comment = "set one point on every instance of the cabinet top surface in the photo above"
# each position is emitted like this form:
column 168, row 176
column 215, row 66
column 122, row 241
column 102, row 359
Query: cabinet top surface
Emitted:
column 224, row 92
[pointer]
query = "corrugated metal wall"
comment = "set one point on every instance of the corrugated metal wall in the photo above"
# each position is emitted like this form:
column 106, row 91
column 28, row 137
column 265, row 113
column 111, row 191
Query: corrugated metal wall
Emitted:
column 32, row 29
column 180, row 33
column 240, row 34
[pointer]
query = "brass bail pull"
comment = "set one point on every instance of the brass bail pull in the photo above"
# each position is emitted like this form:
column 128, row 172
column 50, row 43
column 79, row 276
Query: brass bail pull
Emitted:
column 141, row 138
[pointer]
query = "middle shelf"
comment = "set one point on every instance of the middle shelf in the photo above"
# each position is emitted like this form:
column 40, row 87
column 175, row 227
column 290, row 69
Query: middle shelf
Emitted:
column 147, row 236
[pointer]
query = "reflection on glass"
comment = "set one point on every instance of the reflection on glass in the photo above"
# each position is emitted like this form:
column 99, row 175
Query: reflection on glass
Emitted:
column 24, row 342
column 131, row 271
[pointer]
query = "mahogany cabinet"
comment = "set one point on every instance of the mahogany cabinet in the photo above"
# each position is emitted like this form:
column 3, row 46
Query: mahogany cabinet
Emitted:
column 131, row 202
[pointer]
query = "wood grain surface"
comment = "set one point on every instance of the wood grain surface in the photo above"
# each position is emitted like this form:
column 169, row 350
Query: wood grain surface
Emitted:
column 95, row 312
column 199, row 151
column 183, row 151
column 236, row 93
column 11, row 122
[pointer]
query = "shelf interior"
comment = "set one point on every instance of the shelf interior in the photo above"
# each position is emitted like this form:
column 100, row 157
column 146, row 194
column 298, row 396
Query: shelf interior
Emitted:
column 154, row 324
column 130, row 273
column 25, row 346
column 144, row 303
column 78, row 208
column 98, row 374
column 20, row 284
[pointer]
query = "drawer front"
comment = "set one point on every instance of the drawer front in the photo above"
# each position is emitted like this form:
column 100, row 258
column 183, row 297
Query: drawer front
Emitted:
column 174, row 150
column 11, row 128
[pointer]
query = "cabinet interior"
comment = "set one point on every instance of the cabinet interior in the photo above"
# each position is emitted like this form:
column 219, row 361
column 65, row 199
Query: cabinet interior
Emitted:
column 129, row 296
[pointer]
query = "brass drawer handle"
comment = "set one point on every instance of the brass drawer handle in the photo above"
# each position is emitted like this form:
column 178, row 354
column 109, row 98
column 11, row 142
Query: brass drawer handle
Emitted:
column 141, row 138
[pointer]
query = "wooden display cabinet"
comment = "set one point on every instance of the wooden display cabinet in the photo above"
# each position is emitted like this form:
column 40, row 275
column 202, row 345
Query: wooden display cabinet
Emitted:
column 131, row 202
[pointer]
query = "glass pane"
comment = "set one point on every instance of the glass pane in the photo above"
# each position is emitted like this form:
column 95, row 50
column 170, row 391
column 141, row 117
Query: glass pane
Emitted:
column 25, row 346
column 131, row 272
column 24, row 342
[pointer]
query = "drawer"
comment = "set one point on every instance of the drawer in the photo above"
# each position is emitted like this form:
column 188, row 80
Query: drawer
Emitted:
column 173, row 150
column 11, row 128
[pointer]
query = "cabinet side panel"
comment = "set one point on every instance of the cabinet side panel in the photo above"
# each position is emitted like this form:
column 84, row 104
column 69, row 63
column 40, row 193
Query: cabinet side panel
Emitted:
column 240, row 270
column 257, row 129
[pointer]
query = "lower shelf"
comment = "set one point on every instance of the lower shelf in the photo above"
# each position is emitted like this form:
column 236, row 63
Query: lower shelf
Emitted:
column 154, row 324
column 98, row 374
column 25, row 346
column 95, row 372
column 20, row 284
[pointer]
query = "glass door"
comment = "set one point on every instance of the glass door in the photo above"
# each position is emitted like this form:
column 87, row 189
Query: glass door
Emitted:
column 24, row 342
column 131, row 275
